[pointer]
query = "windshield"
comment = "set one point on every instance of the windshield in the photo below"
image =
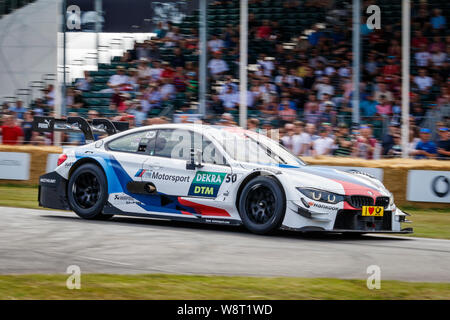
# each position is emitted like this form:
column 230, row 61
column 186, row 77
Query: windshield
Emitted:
column 247, row 146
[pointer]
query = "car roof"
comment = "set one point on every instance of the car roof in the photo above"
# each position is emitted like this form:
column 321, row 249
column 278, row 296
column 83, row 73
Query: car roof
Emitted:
column 203, row 128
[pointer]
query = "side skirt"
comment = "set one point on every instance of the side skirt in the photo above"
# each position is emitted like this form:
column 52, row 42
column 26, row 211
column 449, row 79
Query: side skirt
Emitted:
column 109, row 209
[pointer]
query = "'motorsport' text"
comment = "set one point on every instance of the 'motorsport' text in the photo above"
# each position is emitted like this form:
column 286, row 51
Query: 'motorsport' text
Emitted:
column 170, row 177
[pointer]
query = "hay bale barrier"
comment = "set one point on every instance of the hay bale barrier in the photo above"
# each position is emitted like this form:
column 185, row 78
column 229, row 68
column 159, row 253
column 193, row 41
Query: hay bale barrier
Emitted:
column 395, row 170
column 395, row 174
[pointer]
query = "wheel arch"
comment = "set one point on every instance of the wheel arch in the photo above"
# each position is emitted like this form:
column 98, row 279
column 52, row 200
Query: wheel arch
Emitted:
column 250, row 177
column 83, row 161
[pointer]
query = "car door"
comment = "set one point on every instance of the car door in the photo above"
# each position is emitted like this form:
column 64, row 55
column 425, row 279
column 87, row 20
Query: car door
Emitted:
column 128, row 154
column 167, row 169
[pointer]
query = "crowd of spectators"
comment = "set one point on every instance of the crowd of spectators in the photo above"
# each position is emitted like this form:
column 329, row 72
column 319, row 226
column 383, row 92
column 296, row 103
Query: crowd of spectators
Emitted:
column 303, row 88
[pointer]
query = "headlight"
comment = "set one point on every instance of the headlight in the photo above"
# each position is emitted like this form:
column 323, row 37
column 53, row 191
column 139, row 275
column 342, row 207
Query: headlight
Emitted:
column 391, row 200
column 321, row 195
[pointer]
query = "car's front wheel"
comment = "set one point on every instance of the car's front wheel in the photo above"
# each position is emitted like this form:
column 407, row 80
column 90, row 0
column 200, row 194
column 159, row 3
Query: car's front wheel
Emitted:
column 87, row 192
column 262, row 205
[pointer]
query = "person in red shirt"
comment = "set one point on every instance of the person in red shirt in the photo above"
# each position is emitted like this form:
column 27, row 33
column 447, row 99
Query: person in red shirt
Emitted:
column 264, row 31
column 390, row 69
column 418, row 40
column 11, row 133
column 167, row 72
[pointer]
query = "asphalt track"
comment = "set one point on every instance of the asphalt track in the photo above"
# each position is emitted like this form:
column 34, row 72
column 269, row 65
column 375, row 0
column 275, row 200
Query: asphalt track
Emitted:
column 45, row 241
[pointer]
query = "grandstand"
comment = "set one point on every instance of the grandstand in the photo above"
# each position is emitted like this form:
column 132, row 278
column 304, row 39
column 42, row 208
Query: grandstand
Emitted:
column 311, row 41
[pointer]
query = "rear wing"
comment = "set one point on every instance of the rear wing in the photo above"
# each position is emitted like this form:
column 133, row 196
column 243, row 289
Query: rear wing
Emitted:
column 78, row 124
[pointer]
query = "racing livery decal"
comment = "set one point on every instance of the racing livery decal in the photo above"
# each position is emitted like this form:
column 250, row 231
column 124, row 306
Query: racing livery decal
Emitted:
column 206, row 184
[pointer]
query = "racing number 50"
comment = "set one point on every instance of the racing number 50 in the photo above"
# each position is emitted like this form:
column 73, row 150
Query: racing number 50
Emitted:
column 231, row 177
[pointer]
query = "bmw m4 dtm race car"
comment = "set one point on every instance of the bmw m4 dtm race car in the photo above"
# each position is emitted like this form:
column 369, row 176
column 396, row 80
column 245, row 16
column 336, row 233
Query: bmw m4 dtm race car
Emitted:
column 209, row 174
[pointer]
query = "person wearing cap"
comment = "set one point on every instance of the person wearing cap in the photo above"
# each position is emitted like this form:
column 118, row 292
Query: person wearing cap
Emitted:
column 391, row 68
column 425, row 148
column 443, row 144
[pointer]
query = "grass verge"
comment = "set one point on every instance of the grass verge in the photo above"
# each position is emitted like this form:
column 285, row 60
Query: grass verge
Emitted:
column 101, row 286
column 431, row 223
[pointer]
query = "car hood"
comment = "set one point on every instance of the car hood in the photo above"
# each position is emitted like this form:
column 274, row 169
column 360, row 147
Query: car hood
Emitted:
column 330, row 179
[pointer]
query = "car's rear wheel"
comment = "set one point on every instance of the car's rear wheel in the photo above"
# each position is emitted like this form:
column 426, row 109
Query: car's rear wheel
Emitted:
column 262, row 205
column 87, row 192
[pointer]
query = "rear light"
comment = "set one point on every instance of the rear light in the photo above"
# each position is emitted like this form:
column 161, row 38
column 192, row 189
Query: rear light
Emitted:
column 61, row 159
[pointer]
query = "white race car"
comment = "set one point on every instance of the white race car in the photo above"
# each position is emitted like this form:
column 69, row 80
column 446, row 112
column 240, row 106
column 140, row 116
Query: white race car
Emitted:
column 209, row 174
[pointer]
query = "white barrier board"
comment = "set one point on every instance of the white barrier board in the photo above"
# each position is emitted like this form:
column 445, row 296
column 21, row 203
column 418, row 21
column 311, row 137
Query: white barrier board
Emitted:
column 428, row 186
column 15, row 165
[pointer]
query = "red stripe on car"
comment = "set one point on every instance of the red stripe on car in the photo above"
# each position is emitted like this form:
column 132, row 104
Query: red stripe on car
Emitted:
column 204, row 210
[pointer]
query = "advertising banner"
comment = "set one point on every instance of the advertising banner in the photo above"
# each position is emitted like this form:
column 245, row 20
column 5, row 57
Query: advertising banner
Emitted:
column 428, row 186
column 14, row 165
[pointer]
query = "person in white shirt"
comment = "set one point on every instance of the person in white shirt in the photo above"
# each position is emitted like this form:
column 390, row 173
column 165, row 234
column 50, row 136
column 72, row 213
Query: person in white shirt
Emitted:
column 438, row 57
column 266, row 64
column 423, row 56
column 324, row 87
column 217, row 66
column 215, row 44
column 119, row 79
column 289, row 140
column 309, row 138
column 156, row 70
column 302, row 139
column 345, row 70
column 423, row 81
column 167, row 89
column 229, row 98
column 322, row 145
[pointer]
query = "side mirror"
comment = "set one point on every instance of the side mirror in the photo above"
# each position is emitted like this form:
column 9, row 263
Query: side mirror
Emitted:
column 196, row 160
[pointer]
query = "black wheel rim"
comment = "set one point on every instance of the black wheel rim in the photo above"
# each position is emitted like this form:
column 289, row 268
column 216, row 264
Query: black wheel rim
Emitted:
column 260, row 204
column 86, row 190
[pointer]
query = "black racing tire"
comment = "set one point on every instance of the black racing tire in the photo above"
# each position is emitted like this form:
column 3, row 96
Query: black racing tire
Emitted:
column 87, row 192
column 262, row 205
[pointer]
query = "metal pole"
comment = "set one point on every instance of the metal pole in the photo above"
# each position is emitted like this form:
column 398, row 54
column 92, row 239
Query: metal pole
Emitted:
column 356, row 59
column 243, row 58
column 60, row 88
column 406, row 30
column 98, row 26
column 203, row 78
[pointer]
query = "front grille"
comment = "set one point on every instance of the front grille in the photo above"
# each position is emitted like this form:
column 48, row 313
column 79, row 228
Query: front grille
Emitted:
column 353, row 220
column 382, row 202
column 360, row 201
